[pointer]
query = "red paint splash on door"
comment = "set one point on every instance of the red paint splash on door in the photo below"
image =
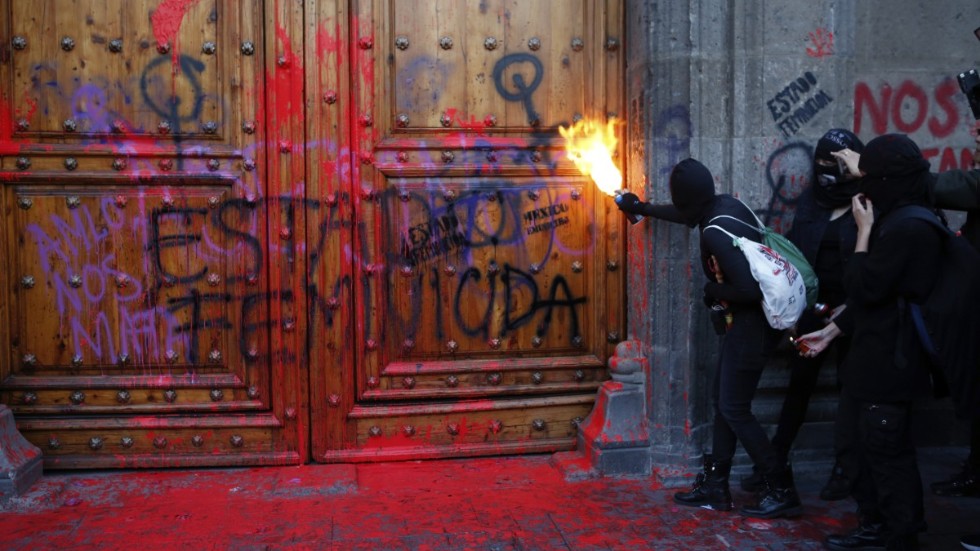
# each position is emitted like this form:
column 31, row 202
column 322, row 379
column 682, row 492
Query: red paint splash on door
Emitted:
column 166, row 20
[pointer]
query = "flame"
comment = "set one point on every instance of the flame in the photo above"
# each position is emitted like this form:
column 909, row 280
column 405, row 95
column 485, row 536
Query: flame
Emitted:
column 590, row 146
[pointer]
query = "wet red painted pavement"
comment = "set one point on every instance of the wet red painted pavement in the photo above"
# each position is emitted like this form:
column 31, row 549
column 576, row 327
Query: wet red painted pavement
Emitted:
column 512, row 503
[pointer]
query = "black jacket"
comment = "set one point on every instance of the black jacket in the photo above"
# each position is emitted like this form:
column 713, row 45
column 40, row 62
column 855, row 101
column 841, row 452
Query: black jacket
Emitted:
column 739, row 289
column 886, row 362
column 809, row 224
column 960, row 190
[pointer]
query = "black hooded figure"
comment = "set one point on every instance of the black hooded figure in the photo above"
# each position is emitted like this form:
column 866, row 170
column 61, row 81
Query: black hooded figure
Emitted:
column 735, row 300
column 825, row 231
column 833, row 186
column 886, row 370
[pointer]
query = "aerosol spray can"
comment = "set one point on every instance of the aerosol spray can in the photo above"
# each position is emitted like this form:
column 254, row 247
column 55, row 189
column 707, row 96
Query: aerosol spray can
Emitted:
column 618, row 197
column 823, row 310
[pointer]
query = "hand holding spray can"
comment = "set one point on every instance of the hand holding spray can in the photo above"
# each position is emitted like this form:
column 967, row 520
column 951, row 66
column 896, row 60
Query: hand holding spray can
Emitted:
column 618, row 198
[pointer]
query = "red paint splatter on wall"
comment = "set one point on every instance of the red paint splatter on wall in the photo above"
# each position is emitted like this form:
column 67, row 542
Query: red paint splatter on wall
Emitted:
column 823, row 43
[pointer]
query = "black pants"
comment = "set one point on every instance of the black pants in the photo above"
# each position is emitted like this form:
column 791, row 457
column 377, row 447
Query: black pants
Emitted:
column 846, row 437
column 973, row 461
column 804, row 373
column 744, row 351
column 888, row 485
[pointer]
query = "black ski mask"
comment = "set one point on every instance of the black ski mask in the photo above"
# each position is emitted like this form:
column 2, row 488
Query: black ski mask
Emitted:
column 832, row 188
column 895, row 172
column 692, row 189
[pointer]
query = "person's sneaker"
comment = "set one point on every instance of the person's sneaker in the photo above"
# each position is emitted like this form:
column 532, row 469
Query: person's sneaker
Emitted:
column 971, row 542
column 838, row 486
column 963, row 483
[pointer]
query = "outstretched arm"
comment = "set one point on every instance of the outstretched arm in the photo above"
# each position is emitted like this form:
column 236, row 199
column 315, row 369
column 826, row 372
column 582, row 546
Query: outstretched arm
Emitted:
column 631, row 204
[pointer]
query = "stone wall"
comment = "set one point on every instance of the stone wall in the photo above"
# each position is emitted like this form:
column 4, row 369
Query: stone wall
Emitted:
column 747, row 87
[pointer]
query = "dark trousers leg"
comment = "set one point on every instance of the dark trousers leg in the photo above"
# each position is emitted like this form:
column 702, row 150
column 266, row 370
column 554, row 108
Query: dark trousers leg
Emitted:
column 973, row 461
column 845, row 438
column 802, row 382
column 744, row 352
column 886, row 442
column 858, row 467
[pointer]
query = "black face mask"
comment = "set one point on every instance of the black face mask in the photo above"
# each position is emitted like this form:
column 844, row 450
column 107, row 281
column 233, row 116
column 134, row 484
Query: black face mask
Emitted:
column 895, row 191
column 692, row 190
column 831, row 188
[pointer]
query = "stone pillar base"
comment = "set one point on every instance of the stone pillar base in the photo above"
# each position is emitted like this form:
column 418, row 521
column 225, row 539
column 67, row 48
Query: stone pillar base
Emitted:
column 20, row 461
column 614, row 439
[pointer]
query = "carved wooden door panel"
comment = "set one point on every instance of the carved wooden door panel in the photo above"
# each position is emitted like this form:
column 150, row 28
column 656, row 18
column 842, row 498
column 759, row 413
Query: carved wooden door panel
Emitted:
column 484, row 283
column 138, row 297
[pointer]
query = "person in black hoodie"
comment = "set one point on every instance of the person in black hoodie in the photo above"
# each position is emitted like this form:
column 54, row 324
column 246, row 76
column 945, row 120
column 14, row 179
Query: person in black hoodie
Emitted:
column 957, row 190
column 825, row 232
column 960, row 190
column 735, row 298
column 886, row 368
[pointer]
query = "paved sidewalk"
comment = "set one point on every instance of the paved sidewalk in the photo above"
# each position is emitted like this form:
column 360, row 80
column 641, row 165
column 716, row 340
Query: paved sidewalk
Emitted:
column 512, row 503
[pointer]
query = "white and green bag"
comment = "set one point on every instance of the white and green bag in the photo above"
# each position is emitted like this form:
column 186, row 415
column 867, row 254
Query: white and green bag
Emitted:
column 783, row 289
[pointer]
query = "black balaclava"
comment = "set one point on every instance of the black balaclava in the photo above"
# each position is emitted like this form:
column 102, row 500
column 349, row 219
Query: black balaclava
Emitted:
column 692, row 188
column 831, row 188
column 895, row 172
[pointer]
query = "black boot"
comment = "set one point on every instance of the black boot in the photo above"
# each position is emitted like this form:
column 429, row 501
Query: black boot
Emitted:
column 753, row 482
column 964, row 483
column 778, row 499
column 867, row 536
column 838, row 486
column 710, row 489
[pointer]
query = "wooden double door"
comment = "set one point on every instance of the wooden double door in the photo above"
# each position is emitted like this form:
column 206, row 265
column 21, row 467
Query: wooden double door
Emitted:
column 247, row 232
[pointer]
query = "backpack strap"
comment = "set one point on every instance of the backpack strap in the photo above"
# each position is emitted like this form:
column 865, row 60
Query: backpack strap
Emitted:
column 758, row 228
column 917, row 212
column 759, row 225
column 734, row 237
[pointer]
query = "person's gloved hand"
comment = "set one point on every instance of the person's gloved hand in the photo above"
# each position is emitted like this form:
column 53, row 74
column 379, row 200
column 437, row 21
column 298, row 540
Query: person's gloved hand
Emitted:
column 631, row 204
column 719, row 318
column 720, row 315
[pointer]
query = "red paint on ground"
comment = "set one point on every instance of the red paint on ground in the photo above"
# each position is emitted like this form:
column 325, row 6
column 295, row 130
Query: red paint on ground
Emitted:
column 485, row 503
